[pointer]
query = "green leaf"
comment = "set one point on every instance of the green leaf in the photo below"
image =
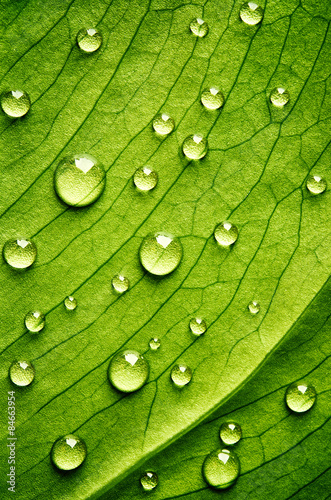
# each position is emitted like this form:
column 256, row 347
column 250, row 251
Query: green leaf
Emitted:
column 253, row 175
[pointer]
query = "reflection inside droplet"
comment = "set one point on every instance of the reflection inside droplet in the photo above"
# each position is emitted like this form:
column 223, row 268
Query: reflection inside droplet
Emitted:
column 131, row 358
column 84, row 164
column 164, row 241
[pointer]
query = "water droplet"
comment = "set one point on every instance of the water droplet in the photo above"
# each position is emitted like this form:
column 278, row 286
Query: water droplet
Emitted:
column 79, row 180
column 221, row 468
column 230, row 433
column 68, row 452
column 19, row 253
column 128, row 371
column 154, row 344
column 316, row 184
column 251, row 13
column 300, row 397
column 34, row 321
column 226, row 233
column 70, row 303
column 145, row 178
column 149, row 481
column 198, row 326
column 15, row 103
column 212, row 98
column 195, row 147
column 279, row 97
column 160, row 253
column 181, row 375
column 199, row 27
column 89, row 40
column 254, row 307
column 163, row 124
column 120, row 283
column 21, row 373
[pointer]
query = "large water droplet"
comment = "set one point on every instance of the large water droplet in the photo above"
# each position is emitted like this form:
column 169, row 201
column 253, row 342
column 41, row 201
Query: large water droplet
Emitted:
column 279, row 97
column 120, row 283
column 195, row 147
column 251, row 13
column 316, row 184
column 34, row 321
column 226, row 233
column 70, row 303
column 68, row 452
column 128, row 371
column 149, row 481
column 221, row 468
column 89, row 40
column 198, row 326
column 254, row 307
column 15, row 103
column 300, row 397
column 145, row 178
column 154, row 343
column 19, row 253
column 199, row 27
column 160, row 253
column 79, row 180
column 230, row 433
column 21, row 373
column 181, row 375
column 163, row 124
column 212, row 98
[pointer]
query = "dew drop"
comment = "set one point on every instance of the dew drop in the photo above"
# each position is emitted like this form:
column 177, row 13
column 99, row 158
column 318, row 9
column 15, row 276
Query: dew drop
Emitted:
column 89, row 40
column 128, row 371
column 181, row 375
column 70, row 303
column 34, row 321
column 21, row 373
column 79, row 180
column 279, row 97
column 195, row 147
column 221, row 468
column 160, row 253
column 15, row 103
column 300, row 397
column 68, row 452
column 149, row 481
column 154, row 343
column 198, row 326
column 254, row 307
column 212, row 98
column 163, row 124
column 120, row 283
column 230, row 433
column 251, row 13
column 316, row 184
column 145, row 178
column 19, row 253
column 226, row 233
column 199, row 27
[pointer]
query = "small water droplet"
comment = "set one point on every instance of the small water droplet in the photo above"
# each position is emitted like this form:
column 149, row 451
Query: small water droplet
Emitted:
column 79, row 180
column 154, row 343
column 181, row 375
column 226, row 233
column 198, row 326
column 212, row 98
column 221, row 468
column 230, row 433
column 149, row 480
column 34, row 321
column 89, row 40
column 68, row 452
column 163, row 124
column 145, row 178
column 199, row 27
column 279, row 97
column 15, row 103
column 316, row 184
column 19, row 253
column 300, row 397
column 128, row 371
column 70, row 303
column 254, row 307
column 120, row 283
column 21, row 373
column 251, row 13
column 195, row 147
column 160, row 253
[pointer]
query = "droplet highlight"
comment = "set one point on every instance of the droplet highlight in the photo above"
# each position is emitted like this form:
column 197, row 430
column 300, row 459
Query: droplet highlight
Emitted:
column 300, row 397
column 154, row 343
column 181, row 375
column 199, row 27
column 221, row 468
column 34, row 321
column 198, row 326
column 149, row 481
column 279, row 97
column 89, row 40
column 19, row 254
column 128, row 371
column 21, row 373
column 195, row 147
column 145, row 178
column 316, row 184
column 160, row 253
column 230, row 433
column 226, row 233
column 120, row 283
column 163, row 124
column 15, row 103
column 254, row 307
column 68, row 452
column 70, row 303
column 251, row 13
column 212, row 98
